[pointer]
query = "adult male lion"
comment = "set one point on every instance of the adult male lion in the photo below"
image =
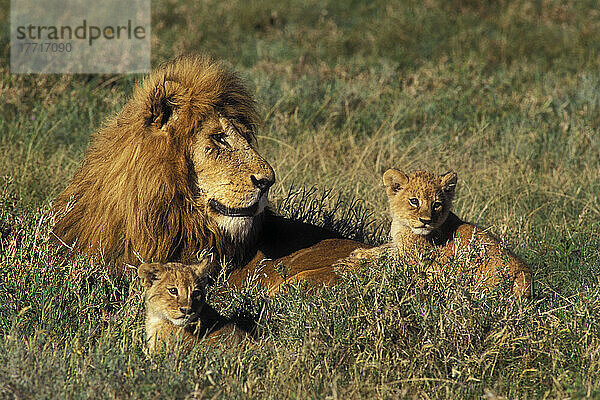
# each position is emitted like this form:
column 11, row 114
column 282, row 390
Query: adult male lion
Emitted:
column 177, row 172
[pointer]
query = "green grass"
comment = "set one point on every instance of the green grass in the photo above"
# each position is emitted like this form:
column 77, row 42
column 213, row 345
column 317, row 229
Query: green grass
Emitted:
column 505, row 93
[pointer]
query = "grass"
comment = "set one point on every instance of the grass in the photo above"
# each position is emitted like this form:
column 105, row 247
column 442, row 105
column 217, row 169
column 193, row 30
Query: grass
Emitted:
column 505, row 93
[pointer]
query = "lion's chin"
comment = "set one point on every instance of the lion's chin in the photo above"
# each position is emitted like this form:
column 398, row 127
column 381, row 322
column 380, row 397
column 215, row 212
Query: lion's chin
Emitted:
column 238, row 228
column 179, row 321
column 239, row 224
column 421, row 231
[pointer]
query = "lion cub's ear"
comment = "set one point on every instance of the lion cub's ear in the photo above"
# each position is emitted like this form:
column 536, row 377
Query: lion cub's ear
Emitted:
column 203, row 269
column 149, row 273
column 448, row 181
column 163, row 101
column 394, row 180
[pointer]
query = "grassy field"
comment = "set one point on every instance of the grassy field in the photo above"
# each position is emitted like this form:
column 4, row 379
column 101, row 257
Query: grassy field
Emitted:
column 507, row 93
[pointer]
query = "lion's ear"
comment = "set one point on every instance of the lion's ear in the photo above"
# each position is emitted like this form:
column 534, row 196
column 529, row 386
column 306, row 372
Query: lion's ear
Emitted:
column 163, row 101
column 149, row 273
column 449, row 180
column 394, row 180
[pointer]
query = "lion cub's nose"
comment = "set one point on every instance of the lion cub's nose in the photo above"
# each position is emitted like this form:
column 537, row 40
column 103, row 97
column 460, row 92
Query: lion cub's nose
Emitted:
column 185, row 310
column 262, row 183
column 425, row 220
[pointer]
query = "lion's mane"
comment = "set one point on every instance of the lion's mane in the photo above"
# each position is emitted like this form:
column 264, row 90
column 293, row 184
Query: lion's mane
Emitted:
column 132, row 199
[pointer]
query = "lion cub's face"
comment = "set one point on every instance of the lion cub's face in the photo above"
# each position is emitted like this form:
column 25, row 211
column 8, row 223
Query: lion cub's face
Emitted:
column 174, row 291
column 420, row 201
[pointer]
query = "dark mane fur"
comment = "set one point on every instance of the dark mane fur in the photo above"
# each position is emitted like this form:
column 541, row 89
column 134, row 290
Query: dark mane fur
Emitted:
column 133, row 198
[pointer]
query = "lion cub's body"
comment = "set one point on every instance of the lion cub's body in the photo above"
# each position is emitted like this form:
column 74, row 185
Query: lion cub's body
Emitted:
column 176, row 310
column 424, row 226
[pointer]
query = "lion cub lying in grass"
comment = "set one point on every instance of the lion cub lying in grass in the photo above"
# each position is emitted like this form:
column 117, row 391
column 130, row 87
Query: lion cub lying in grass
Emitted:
column 423, row 227
column 176, row 309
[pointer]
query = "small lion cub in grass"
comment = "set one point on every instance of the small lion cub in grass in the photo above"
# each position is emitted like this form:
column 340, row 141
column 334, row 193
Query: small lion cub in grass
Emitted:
column 423, row 225
column 176, row 308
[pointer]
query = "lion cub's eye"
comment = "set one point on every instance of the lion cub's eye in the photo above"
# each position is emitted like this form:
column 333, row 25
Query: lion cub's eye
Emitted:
column 173, row 291
column 437, row 205
column 414, row 202
column 220, row 138
column 196, row 293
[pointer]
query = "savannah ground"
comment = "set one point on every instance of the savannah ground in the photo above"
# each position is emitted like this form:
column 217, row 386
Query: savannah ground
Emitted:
column 506, row 93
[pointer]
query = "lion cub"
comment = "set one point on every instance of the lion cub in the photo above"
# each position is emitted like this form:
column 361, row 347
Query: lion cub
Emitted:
column 176, row 309
column 423, row 225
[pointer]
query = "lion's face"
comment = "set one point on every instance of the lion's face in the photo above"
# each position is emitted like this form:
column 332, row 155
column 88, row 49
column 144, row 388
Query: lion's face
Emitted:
column 175, row 172
column 233, row 179
column 420, row 200
column 175, row 292
column 213, row 119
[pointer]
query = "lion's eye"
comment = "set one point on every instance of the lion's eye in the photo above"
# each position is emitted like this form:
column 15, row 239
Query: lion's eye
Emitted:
column 414, row 202
column 220, row 138
column 173, row 291
column 437, row 205
column 196, row 293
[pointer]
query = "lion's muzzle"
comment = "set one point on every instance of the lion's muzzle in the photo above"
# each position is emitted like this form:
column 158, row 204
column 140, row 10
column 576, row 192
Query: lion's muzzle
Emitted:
column 262, row 183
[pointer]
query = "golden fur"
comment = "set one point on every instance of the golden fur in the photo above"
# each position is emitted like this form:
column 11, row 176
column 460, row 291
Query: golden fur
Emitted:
column 176, row 309
column 423, row 224
column 150, row 177
column 314, row 264
column 176, row 172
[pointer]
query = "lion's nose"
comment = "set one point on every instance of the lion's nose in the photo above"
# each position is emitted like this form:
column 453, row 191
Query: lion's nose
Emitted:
column 262, row 183
column 425, row 220
column 185, row 310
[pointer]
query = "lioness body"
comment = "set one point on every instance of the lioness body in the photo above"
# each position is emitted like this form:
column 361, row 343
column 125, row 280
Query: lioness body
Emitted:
column 176, row 310
column 177, row 172
column 424, row 226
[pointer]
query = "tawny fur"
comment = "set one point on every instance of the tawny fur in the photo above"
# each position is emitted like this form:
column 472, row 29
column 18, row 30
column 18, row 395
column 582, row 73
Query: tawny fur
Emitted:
column 176, row 309
column 176, row 173
column 427, row 227
column 139, row 194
